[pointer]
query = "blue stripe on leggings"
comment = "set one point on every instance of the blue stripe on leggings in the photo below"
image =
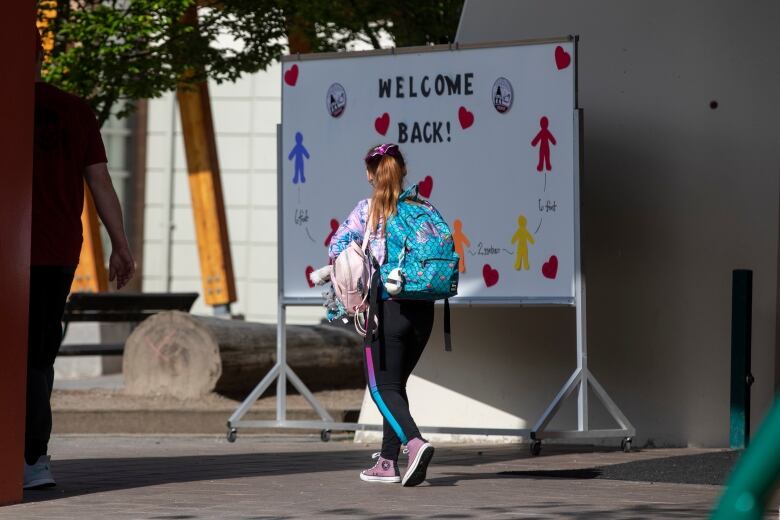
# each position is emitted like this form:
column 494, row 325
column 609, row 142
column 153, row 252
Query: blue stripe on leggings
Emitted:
column 383, row 409
column 386, row 413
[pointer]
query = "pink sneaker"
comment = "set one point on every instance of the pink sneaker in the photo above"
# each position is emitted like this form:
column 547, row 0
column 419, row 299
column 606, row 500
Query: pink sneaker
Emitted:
column 383, row 471
column 420, row 455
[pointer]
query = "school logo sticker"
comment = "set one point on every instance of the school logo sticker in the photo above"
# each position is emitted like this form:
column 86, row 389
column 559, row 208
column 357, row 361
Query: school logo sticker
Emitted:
column 336, row 100
column 502, row 95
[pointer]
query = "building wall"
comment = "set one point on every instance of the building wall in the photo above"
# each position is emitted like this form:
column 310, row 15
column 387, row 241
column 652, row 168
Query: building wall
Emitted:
column 245, row 117
column 675, row 196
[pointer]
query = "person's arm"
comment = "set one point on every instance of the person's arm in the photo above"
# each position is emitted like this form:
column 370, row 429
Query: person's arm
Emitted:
column 121, row 265
column 352, row 230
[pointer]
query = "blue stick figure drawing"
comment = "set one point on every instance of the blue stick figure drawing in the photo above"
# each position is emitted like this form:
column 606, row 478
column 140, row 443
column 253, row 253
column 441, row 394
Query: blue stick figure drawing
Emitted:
column 299, row 152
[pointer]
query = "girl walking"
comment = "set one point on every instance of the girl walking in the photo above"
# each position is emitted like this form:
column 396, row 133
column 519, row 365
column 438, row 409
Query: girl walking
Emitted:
column 404, row 325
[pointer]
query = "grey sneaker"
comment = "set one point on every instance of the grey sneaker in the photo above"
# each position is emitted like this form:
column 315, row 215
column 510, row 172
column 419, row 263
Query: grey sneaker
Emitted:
column 420, row 454
column 384, row 470
column 39, row 475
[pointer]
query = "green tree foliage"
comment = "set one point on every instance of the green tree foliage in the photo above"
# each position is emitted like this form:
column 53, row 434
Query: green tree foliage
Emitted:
column 332, row 24
column 112, row 52
column 124, row 50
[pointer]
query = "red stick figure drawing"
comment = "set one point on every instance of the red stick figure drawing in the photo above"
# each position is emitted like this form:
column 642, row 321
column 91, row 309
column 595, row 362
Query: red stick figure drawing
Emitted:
column 543, row 139
column 334, row 226
column 460, row 239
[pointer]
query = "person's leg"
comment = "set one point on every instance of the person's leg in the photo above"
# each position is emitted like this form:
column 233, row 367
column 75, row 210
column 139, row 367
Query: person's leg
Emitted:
column 37, row 387
column 49, row 288
column 391, row 444
column 385, row 380
column 420, row 316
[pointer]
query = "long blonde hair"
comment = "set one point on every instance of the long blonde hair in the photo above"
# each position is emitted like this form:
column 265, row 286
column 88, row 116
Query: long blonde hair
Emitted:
column 387, row 169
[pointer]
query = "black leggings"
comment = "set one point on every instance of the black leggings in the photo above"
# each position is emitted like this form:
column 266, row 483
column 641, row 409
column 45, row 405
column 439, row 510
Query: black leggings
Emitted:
column 49, row 288
column 404, row 329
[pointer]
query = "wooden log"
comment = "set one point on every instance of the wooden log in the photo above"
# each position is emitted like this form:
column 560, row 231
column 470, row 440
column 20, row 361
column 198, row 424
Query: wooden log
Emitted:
column 187, row 356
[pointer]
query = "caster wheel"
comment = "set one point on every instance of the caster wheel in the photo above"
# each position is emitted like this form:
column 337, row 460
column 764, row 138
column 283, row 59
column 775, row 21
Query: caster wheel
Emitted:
column 232, row 434
column 625, row 445
column 325, row 435
column 536, row 448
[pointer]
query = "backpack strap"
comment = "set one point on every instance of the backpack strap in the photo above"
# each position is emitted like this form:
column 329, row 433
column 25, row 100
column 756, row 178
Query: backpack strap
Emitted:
column 368, row 227
column 447, row 339
column 373, row 317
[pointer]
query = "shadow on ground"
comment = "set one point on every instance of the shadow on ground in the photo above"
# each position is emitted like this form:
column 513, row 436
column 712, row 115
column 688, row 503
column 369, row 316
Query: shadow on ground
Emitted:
column 706, row 468
column 549, row 510
column 97, row 475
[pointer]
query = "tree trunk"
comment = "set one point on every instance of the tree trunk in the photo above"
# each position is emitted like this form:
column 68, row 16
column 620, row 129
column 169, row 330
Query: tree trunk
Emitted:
column 188, row 356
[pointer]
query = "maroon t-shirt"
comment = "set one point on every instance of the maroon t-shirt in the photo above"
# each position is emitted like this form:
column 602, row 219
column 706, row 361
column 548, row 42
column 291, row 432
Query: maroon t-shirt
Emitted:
column 67, row 140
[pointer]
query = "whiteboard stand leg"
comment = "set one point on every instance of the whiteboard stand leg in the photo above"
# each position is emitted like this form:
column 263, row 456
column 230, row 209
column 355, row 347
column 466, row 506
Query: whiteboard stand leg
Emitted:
column 579, row 381
column 281, row 358
column 571, row 385
column 306, row 393
column 261, row 387
column 581, row 377
column 582, row 404
column 281, row 372
column 611, row 406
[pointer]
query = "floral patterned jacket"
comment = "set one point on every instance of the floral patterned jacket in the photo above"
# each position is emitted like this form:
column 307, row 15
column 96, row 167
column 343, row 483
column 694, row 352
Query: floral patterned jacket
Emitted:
column 353, row 229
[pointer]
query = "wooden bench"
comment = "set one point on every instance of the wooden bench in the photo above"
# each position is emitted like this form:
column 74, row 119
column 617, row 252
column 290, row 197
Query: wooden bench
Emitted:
column 117, row 307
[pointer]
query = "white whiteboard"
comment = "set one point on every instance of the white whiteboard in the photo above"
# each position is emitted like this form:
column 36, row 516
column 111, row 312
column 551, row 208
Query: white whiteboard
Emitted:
column 479, row 159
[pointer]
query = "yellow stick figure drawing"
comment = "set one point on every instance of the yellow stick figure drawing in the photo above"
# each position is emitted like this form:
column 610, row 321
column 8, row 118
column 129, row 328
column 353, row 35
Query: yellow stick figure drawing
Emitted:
column 460, row 240
column 522, row 237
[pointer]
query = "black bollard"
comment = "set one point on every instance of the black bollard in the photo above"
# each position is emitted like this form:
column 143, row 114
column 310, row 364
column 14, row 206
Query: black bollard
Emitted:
column 741, row 378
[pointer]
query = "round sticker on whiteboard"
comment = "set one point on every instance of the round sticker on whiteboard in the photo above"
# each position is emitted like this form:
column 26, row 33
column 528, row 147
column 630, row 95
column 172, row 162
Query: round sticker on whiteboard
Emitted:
column 502, row 95
column 336, row 100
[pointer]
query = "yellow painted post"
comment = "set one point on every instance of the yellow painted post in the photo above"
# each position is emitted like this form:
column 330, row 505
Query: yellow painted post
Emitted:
column 91, row 273
column 211, row 230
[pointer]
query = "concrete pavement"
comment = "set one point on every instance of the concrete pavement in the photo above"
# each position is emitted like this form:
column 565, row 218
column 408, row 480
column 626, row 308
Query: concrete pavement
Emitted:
column 291, row 477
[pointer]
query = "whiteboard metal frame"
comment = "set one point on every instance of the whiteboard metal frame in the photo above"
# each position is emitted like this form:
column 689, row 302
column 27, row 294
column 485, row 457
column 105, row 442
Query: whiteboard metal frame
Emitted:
column 579, row 381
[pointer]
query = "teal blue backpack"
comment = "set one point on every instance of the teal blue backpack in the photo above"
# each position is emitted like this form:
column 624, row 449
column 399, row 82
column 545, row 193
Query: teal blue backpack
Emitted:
column 419, row 244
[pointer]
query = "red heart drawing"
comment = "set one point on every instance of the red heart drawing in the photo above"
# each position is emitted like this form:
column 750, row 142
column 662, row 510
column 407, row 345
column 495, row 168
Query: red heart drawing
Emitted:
column 309, row 270
column 465, row 117
column 334, row 226
column 425, row 187
column 490, row 275
column 550, row 268
column 291, row 76
column 382, row 123
column 562, row 58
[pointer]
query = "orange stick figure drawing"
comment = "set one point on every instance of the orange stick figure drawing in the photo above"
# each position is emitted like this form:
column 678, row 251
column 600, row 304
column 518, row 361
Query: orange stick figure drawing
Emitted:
column 522, row 237
column 460, row 240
